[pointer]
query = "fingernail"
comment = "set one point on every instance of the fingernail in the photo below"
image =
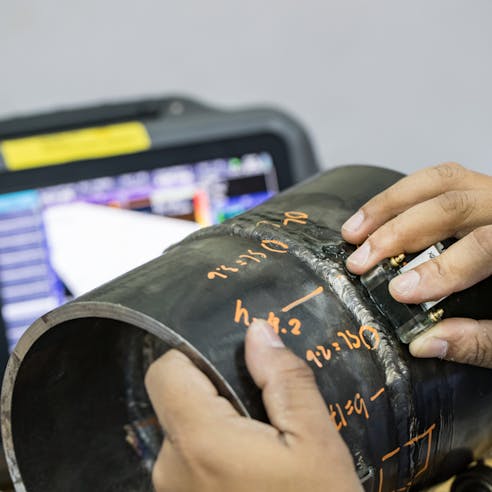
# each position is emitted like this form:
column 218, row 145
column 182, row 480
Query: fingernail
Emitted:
column 360, row 256
column 354, row 223
column 429, row 346
column 406, row 282
column 266, row 333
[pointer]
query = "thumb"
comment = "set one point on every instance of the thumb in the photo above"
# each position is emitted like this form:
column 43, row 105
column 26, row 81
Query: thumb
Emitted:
column 291, row 397
column 458, row 339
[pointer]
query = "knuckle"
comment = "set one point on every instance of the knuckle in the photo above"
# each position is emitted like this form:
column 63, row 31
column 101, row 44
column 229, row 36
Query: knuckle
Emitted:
column 188, row 445
column 297, row 374
column 393, row 235
column 388, row 239
column 486, row 348
column 482, row 355
column 470, row 343
column 192, row 443
column 294, row 371
column 479, row 350
column 390, row 198
column 438, row 269
column 303, row 374
column 438, row 278
column 382, row 201
column 483, row 239
column 297, row 368
column 459, row 204
column 447, row 172
column 474, row 354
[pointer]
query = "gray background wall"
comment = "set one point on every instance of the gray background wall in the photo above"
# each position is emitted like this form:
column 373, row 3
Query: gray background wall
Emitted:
column 399, row 83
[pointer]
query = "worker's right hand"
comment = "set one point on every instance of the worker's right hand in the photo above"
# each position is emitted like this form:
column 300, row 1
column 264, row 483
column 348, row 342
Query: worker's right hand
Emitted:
column 209, row 447
column 417, row 211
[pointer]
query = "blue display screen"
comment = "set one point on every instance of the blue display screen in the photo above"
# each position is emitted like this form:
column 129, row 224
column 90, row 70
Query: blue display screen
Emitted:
column 205, row 193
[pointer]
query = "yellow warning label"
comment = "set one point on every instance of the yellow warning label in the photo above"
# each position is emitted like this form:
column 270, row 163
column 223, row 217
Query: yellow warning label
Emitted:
column 75, row 145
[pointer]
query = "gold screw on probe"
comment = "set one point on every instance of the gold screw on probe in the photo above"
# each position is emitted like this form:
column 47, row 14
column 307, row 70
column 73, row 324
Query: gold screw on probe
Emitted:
column 396, row 261
column 436, row 315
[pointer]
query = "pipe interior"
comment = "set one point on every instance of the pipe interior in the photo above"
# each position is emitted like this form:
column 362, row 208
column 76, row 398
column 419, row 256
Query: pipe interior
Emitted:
column 80, row 410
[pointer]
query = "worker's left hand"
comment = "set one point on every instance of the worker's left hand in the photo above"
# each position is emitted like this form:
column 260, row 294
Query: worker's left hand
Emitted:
column 419, row 210
column 209, row 447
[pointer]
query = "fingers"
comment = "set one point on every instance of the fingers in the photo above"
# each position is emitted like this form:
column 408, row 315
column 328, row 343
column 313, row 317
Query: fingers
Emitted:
column 462, row 265
column 216, row 449
column 184, row 398
column 290, row 394
column 457, row 339
column 416, row 188
column 447, row 215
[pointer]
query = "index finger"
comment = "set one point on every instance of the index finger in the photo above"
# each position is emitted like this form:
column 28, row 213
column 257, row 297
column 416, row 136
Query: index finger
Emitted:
column 182, row 396
column 418, row 187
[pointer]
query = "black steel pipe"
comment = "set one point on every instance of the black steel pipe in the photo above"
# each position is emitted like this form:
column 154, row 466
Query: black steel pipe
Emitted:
column 75, row 414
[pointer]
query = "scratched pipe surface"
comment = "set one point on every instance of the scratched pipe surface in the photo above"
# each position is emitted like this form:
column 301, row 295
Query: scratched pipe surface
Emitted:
column 75, row 414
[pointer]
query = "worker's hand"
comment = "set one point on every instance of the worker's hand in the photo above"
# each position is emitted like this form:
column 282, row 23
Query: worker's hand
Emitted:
column 209, row 447
column 419, row 210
